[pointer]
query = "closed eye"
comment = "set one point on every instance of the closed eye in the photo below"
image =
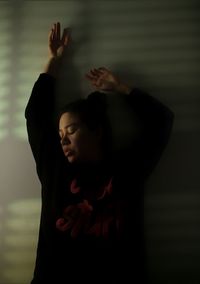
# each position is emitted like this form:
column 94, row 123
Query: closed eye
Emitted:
column 72, row 128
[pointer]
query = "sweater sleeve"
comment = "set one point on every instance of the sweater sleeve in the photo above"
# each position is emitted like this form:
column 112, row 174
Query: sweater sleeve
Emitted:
column 39, row 114
column 156, row 122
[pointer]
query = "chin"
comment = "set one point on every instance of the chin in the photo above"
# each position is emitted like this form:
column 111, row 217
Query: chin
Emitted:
column 71, row 159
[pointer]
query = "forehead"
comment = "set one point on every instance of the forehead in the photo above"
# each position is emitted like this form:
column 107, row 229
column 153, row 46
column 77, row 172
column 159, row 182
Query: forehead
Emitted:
column 68, row 118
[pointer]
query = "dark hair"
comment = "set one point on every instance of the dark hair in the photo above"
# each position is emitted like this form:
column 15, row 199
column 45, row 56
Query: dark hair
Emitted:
column 93, row 112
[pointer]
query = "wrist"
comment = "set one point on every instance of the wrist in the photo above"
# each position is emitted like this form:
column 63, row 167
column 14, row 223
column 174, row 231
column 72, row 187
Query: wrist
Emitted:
column 53, row 57
column 53, row 65
column 123, row 88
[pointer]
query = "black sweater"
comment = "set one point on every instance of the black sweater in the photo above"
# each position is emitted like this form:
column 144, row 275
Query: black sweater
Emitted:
column 83, row 237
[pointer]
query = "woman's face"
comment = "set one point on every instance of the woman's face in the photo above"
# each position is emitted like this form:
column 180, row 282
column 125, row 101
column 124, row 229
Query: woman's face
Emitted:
column 79, row 143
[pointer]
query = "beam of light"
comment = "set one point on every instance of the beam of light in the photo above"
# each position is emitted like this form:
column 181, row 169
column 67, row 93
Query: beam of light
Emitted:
column 4, row 131
column 15, row 275
column 5, row 64
column 19, row 129
column 20, row 239
column 4, row 106
column 16, row 241
column 24, row 207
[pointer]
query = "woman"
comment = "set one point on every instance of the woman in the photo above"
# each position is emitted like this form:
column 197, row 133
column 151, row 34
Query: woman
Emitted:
column 91, row 227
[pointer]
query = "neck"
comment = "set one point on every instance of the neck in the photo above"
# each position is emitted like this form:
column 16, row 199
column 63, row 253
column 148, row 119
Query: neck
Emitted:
column 92, row 169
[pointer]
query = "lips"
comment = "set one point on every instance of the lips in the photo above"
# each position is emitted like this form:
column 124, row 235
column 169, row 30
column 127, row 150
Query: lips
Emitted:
column 67, row 151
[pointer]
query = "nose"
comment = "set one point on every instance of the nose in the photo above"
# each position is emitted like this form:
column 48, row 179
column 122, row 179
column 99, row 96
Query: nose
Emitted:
column 65, row 140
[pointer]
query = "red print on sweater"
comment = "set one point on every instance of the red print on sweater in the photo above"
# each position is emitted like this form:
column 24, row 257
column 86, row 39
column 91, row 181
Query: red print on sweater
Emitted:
column 85, row 218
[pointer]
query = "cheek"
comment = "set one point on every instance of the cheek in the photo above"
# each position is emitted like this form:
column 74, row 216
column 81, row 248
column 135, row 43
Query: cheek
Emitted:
column 83, row 141
column 77, row 141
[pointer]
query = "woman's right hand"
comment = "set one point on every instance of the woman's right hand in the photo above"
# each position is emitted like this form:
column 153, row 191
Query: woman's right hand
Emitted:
column 58, row 43
column 103, row 79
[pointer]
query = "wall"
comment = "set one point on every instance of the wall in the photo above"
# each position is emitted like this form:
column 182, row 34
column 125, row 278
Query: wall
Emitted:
column 150, row 44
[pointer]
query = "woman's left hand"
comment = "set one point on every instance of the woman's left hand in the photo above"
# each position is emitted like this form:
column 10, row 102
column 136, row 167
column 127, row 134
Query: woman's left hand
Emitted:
column 58, row 42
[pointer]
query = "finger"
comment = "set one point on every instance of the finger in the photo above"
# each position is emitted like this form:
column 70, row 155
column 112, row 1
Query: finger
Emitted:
column 58, row 30
column 50, row 35
column 94, row 72
column 66, row 40
column 88, row 76
column 98, row 72
column 103, row 69
column 65, row 36
column 54, row 32
column 91, row 76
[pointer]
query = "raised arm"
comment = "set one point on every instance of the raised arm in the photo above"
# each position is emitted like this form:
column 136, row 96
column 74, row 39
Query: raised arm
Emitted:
column 57, row 45
column 156, row 125
column 39, row 112
column 154, row 120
